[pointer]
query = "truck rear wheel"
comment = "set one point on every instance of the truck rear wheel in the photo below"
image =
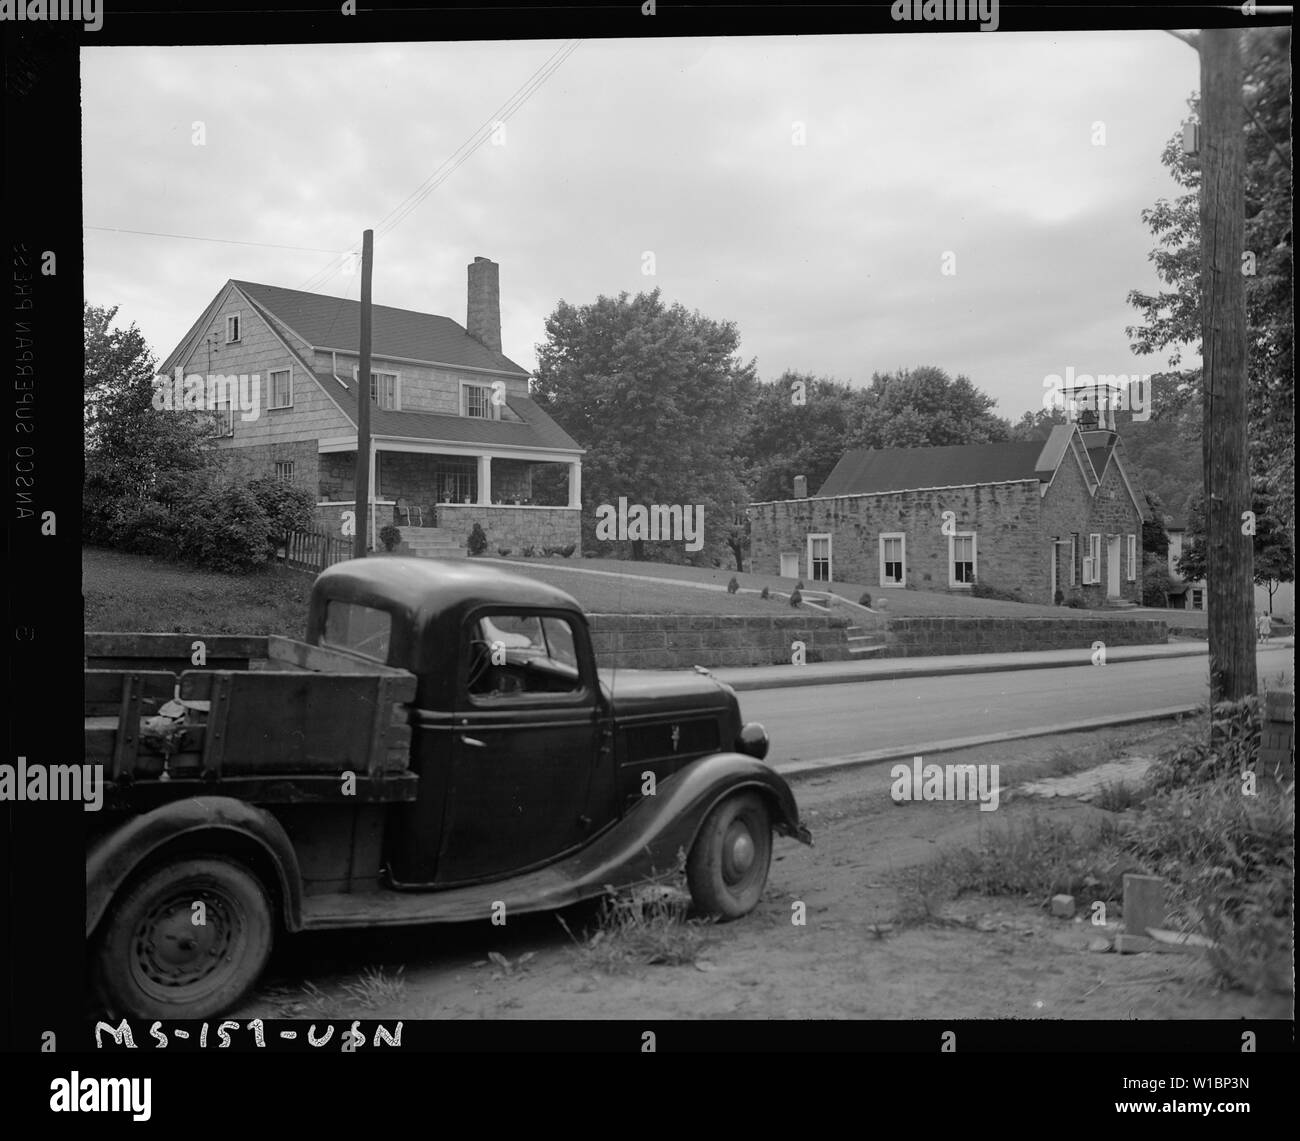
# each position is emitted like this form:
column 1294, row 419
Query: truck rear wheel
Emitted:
column 727, row 867
column 185, row 941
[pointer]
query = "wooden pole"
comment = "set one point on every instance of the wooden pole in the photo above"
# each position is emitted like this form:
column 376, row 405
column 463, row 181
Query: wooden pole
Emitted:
column 1230, row 552
column 363, row 403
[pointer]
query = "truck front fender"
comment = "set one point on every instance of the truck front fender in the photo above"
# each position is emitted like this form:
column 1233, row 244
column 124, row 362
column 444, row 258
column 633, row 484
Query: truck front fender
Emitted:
column 695, row 790
column 659, row 825
column 114, row 856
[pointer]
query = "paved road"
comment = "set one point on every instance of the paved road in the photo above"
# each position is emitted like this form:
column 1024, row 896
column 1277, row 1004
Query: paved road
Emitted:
column 837, row 720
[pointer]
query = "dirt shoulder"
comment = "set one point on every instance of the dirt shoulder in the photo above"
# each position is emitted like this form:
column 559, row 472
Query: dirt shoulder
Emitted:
column 852, row 958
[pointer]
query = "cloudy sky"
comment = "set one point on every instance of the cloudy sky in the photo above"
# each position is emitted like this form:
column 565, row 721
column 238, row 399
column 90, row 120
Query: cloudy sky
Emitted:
column 826, row 255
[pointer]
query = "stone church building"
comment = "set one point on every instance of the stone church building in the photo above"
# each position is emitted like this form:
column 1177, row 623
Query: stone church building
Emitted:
column 1049, row 520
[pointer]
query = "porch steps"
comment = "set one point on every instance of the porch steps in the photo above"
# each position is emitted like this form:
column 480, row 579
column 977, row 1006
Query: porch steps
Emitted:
column 431, row 543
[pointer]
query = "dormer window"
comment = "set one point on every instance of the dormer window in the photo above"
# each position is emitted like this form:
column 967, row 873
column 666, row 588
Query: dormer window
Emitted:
column 476, row 400
column 385, row 389
column 233, row 328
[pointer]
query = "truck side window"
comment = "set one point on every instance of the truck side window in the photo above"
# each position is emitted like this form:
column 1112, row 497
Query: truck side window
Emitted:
column 513, row 655
column 361, row 629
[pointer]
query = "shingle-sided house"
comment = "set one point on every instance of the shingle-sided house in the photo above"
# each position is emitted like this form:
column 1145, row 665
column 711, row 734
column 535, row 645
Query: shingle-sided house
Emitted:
column 456, row 438
column 1038, row 517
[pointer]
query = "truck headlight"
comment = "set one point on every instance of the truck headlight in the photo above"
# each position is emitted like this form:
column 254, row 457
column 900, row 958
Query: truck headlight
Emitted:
column 753, row 740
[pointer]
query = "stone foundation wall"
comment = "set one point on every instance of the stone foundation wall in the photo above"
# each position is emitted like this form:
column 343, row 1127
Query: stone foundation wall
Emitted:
column 512, row 527
column 664, row 641
column 927, row 637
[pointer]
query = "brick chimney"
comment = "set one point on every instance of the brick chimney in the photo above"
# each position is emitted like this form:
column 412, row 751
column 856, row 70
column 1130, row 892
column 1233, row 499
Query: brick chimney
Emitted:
column 801, row 487
column 483, row 316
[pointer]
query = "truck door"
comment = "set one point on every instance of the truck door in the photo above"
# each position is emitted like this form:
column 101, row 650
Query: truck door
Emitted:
column 524, row 745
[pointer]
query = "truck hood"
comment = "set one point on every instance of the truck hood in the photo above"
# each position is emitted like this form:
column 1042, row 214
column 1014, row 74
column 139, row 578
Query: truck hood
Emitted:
column 659, row 692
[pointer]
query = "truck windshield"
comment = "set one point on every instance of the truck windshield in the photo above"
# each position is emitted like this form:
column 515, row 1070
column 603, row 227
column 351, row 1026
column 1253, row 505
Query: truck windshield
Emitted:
column 361, row 629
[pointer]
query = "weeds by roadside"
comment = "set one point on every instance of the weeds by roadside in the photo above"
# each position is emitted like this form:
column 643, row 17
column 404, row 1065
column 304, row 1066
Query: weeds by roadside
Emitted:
column 1220, row 833
column 647, row 924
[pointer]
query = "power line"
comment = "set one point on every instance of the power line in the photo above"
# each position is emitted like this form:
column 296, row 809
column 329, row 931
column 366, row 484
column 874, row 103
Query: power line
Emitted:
column 196, row 238
column 411, row 202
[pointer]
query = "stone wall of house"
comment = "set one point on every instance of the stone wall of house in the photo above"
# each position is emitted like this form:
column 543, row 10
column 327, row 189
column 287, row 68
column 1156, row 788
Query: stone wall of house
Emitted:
column 512, row 528
column 258, row 460
column 1010, row 552
column 1114, row 513
column 927, row 637
column 659, row 641
column 1069, row 509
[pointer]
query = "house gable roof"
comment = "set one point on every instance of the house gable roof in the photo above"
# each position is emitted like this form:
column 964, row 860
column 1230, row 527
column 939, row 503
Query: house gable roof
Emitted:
column 335, row 323
column 871, row 471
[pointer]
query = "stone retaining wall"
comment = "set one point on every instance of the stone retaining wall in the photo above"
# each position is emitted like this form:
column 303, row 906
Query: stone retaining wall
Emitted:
column 513, row 528
column 666, row 641
column 926, row 637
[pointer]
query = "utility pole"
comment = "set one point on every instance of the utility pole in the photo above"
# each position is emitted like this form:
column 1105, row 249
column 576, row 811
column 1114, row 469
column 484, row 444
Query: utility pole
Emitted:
column 1229, row 529
column 363, row 403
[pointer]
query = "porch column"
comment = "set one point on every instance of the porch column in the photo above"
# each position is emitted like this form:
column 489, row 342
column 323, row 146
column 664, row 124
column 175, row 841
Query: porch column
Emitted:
column 484, row 481
column 575, row 483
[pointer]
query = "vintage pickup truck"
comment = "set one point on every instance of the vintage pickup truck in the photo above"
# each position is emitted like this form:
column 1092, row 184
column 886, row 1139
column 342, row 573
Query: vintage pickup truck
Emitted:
column 441, row 748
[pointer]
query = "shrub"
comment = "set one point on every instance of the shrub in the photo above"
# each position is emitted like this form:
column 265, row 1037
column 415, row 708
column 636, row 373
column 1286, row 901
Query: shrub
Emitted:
column 796, row 599
column 981, row 589
column 864, row 599
column 529, row 551
column 1060, row 596
column 286, row 507
column 504, row 552
column 799, row 585
column 1228, row 749
column 478, row 540
column 1075, row 601
column 225, row 529
column 733, row 585
column 390, row 536
column 145, row 527
column 568, row 549
column 764, row 593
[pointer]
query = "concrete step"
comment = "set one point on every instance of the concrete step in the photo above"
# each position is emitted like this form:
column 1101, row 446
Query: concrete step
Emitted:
column 432, row 543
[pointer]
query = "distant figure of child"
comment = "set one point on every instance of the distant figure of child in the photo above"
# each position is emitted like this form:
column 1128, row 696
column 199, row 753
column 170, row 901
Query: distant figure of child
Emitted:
column 1264, row 623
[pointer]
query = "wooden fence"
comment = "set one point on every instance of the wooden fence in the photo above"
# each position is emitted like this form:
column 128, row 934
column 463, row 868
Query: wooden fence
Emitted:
column 314, row 550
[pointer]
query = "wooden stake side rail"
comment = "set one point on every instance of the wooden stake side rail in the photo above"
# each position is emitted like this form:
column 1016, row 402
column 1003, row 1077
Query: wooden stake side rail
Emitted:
column 274, row 711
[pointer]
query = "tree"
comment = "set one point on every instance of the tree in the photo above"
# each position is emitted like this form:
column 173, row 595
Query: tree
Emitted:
column 1274, row 553
column 925, row 407
column 656, row 394
column 1156, row 580
column 797, row 425
column 1170, row 318
column 1037, row 425
column 132, row 448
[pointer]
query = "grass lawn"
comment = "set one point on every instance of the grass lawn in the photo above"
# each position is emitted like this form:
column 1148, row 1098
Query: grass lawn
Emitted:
column 904, row 603
column 131, row 592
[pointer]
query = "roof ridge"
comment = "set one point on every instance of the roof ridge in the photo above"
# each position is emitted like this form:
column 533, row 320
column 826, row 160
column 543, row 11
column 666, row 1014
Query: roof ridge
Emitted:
column 350, row 300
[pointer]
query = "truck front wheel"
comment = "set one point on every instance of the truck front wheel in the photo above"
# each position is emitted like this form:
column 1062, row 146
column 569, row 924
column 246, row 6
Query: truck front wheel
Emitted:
column 185, row 941
column 727, row 867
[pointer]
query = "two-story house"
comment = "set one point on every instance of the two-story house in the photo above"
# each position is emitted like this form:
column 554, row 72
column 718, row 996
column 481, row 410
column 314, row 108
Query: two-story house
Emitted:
column 456, row 439
column 1046, row 519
